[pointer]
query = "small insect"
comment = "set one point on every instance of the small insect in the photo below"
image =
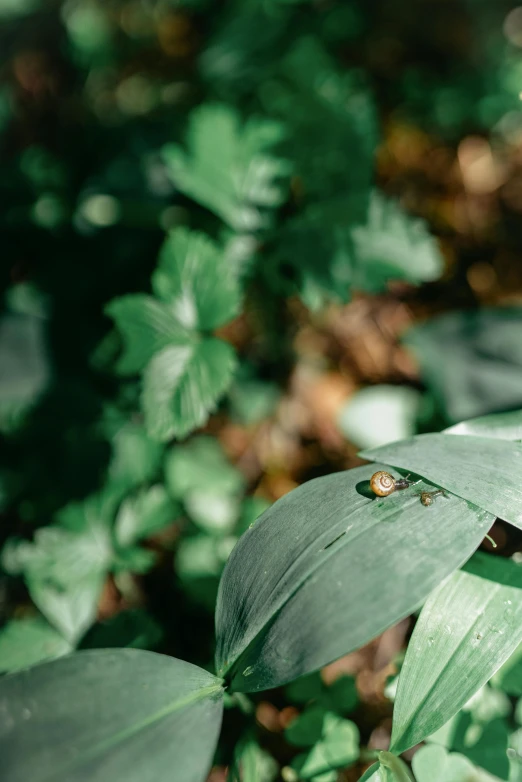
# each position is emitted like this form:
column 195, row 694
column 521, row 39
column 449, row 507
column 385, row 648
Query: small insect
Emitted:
column 383, row 483
column 428, row 497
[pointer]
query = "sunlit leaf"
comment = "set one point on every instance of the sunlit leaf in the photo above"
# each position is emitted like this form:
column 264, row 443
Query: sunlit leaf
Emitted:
column 323, row 552
column 434, row 763
column 479, row 469
column 194, row 278
column 380, row 414
column 391, row 245
column 143, row 515
column 468, row 627
column 182, row 385
column 502, row 426
column 229, row 168
column 147, row 326
column 97, row 715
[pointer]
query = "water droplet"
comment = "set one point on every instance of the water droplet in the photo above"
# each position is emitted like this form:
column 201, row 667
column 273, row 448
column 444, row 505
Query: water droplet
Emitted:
column 448, row 629
column 507, row 602
column 248, row 670
column 431, row 641
column 26, row 714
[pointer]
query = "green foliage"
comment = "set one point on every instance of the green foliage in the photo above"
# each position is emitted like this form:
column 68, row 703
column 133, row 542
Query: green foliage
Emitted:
column 239, row 144
column 466, row 630
column 54, row 728
column 185, row 370
column 229, row 168
column 481, row 373
column 311, row 547
column 457, row 463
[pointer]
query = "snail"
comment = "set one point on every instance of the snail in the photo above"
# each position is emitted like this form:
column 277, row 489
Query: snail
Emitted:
column 383, row 483
column 428, row 497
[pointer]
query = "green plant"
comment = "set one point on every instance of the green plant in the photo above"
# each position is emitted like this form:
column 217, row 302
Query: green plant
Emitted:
column 294, row 564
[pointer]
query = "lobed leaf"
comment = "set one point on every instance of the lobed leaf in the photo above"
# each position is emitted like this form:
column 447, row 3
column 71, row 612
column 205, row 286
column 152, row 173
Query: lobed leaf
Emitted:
column 182, row 384
column 193, row 277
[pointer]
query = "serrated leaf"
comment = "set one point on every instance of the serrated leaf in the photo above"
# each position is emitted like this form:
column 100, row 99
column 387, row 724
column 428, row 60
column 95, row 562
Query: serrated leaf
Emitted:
column 25, row 642
column 391, row 245
column 468, row 627
column 147, row 326
column 482, row 372
column 229, row 167
column 144, row 514
column 323, row 552
column 182, row 384
column 482, row 470
column 92, row 716
column 194, row 278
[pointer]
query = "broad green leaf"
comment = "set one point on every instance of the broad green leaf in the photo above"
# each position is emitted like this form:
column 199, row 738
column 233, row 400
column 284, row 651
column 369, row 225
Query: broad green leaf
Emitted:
column 468, row 627
column 144, row 514
column 393, row 246
column 147, row 326
column 200, row 465
column 229, row 168
column 481, row 470
column 372, row 774
column 380, row 414
column 434, row 763
column 194, row 278
column 303, row 586
column 24, row 642
column 481, row 373
column 502, row 426
column 393, row 769
column 182, row 384
column 122, row 715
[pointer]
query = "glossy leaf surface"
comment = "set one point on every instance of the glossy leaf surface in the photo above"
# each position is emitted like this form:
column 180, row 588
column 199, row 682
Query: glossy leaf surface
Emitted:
column 482, row 470
column 468, row 627
column 304, row 585
column 121, row 715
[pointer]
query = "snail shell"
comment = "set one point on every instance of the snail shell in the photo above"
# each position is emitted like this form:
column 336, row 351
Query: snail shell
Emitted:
column 382, row 483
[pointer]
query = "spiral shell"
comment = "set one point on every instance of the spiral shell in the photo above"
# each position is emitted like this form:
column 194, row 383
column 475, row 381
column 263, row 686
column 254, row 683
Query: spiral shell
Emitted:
column 382, row 483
